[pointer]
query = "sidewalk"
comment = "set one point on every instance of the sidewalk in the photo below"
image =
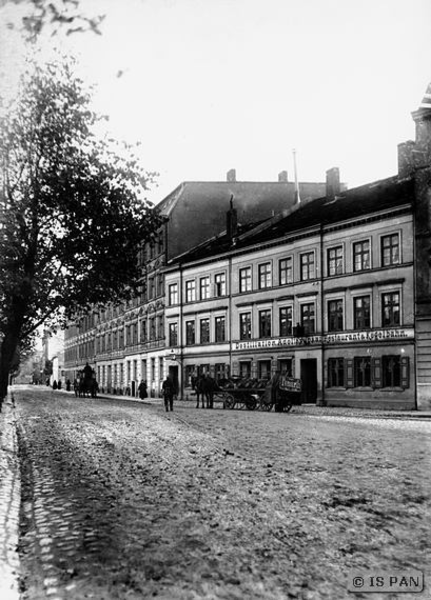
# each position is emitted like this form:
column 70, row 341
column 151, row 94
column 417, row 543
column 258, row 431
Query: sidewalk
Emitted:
column 305, row 409
column 10, row 496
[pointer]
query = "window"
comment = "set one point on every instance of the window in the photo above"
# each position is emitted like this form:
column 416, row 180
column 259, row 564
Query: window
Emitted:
column 173, row 294
column 308, row 318
column 173, row 334
column 190, row 290
column 362, row 371
column 245, row 326
column 362, row 312
column 286, row 320
column 335, row 261
column 151, row 288
column 391, row 371
column 245, row 280
column 220, row 329
column 190, row 333
column 264, row 369
column 264, row 276
column 220, row 284
column 245, row 368
column 390, row 250
column 335, row 315
column 152, row 328
column 335, row 372
column 204, row 288
column 144, row 330
column 361, row 256
column 285, row 271
column 160, row 328
column 204, row 327
column 264, row 323
column 390, row 309
column 307, row 266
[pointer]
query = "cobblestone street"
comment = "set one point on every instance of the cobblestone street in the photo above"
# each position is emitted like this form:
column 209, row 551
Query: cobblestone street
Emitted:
column 123, row 500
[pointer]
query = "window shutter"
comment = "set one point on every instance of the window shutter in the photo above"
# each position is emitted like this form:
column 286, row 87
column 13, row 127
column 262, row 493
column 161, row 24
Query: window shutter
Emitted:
column 377, row 373
column 405, row 372
column 349, row 372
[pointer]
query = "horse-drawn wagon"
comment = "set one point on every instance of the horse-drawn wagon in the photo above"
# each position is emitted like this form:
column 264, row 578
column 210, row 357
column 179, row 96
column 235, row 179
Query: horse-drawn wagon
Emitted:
column 280, row 392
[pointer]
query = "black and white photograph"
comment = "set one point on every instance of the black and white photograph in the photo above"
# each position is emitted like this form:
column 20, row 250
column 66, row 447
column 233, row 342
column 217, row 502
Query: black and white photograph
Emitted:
column 215, row 299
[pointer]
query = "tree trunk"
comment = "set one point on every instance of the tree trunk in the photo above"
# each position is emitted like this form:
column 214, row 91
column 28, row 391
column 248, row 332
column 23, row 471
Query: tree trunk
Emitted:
column 7, row 352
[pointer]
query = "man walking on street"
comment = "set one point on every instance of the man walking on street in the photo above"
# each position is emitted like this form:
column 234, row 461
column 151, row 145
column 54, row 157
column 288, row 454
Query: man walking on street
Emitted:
column 168, row 389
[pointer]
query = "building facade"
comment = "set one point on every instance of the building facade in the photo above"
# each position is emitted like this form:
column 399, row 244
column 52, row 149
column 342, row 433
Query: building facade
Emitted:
column 126, row 343
column 323, row 293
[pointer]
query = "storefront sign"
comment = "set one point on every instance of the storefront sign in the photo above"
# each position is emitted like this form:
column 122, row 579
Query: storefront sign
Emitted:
column 374, row 335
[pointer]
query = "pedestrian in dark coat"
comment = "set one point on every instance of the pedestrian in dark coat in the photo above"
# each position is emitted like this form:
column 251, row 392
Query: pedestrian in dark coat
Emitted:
column 168, row 389
column 142, row 389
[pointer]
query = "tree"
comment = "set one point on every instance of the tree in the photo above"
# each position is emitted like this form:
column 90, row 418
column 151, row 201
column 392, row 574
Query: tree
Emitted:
column 55, row 15
column 72, row 215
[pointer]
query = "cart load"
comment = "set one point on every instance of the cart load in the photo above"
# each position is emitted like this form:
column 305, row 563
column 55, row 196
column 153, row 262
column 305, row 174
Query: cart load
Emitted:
column 280, row 391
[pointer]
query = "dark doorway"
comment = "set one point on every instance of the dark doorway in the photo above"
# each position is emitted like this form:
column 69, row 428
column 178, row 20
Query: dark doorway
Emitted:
column 173, row 374
column 309, row 380
column 133, row 389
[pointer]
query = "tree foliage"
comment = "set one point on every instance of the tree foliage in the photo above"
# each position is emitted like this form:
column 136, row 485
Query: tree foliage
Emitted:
column 55, row 15
column 72, row 212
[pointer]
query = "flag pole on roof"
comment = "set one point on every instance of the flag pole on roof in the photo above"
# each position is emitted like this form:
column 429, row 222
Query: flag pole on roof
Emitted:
column 297, row 196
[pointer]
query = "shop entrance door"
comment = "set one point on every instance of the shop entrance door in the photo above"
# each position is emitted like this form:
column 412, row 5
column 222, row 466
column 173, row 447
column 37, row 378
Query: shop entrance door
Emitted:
column 309, row 380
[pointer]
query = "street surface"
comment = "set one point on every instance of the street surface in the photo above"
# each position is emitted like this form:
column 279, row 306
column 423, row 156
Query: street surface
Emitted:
column 122, row 500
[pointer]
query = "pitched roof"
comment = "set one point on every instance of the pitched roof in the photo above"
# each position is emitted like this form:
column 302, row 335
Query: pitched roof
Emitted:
column 350, row 204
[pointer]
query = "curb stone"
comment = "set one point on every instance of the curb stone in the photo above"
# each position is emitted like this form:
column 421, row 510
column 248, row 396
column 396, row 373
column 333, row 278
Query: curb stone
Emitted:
column 10, row 497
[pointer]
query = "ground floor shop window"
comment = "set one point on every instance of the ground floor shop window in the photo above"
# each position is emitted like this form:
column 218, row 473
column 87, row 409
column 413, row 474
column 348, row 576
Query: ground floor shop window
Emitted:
column 335, row 372
column 264, row 369
column 391, row 371
column 221, row 370
column 190, row 372
column 245, row 368
column 362, row 371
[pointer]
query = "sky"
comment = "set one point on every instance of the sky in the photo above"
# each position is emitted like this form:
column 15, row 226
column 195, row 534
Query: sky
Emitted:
column 210, row 85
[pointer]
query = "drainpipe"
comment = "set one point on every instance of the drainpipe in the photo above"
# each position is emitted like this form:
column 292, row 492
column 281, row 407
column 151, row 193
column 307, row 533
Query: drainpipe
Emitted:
column 322, row 314
column 230, row 316
column 180, row 336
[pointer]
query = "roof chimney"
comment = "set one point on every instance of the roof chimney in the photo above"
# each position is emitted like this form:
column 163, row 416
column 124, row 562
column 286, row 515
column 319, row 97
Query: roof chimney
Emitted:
column 282, row 177
column 231, row 221
column 231, row 175
column 333, row 182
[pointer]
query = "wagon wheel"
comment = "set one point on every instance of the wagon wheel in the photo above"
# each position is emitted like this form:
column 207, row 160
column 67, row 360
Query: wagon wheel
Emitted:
column 229, row 401
column 266, row 407
column 250, row 402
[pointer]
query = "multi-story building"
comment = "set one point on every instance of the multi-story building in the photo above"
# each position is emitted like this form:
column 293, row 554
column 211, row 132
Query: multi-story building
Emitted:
column 126, row 343
column 324, row 293
column 337, row 292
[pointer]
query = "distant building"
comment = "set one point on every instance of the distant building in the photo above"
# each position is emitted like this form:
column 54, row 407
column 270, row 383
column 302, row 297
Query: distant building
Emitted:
column 127, row 343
